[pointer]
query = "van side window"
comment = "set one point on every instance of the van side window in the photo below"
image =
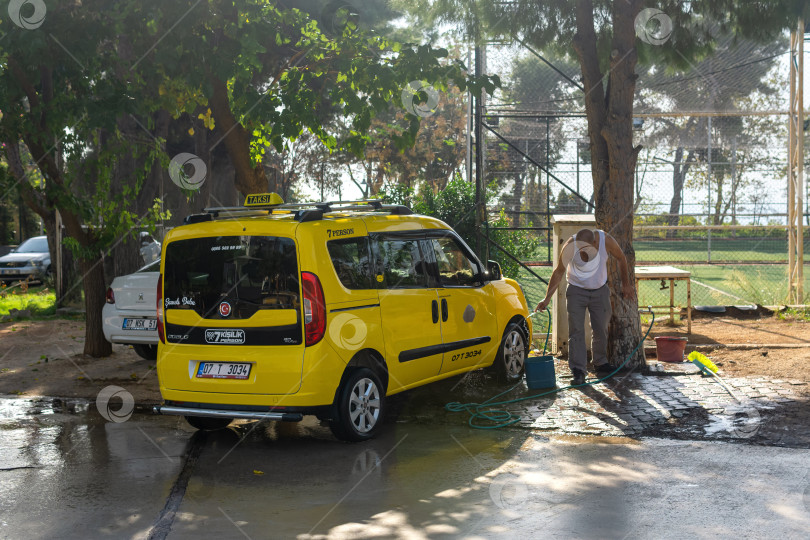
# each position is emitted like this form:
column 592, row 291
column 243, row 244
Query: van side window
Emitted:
column 352, row 262
column 455, row 268
column 399, row 263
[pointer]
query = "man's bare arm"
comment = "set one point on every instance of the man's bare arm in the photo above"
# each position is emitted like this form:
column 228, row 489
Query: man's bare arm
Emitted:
column 554, row 281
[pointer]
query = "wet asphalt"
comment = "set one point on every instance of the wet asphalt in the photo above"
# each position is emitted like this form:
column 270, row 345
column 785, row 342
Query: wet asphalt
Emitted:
column 66, row 472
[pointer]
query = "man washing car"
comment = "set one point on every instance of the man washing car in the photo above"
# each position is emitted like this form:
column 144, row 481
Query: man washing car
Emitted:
column 583, row 260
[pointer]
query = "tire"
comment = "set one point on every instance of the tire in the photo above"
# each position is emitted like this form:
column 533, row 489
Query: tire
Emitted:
column 512, row 352
column 147, row 352
column 207, row 423
column 357, row 413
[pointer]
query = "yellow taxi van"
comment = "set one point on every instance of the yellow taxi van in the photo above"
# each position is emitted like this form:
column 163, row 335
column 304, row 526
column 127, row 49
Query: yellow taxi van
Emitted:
column 274, row 311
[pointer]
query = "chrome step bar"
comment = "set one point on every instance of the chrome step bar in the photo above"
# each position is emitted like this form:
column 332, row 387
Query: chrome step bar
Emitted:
column 220, row 413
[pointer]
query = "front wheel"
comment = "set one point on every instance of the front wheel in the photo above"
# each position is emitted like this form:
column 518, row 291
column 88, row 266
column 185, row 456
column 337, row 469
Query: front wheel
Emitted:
column 208, row 423
column 513, row 352
column 357, row 413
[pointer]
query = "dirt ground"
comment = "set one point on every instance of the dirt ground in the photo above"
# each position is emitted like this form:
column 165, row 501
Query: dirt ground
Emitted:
column 43, row 358
column 767, row 346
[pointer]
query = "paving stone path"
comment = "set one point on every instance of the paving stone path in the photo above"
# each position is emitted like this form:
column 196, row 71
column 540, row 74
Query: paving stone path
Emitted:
column 671, row 400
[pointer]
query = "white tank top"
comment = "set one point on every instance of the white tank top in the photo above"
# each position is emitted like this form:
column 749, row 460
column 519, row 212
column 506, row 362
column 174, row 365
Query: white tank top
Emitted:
column 591, row 274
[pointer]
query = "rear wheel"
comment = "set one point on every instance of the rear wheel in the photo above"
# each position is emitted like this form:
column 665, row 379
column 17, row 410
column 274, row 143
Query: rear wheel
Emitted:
column 206, row 423
column 357, row 413
column 513, row 352
column 147, row 352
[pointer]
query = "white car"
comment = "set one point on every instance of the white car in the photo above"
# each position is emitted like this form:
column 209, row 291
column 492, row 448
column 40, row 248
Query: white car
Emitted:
column 31, row 260
column 130, row 312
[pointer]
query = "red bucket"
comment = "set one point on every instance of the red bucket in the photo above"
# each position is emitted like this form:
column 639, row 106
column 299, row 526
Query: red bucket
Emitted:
column 669, row 348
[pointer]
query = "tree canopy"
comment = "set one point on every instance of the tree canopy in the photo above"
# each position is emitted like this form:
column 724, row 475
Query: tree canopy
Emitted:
column 92, row 93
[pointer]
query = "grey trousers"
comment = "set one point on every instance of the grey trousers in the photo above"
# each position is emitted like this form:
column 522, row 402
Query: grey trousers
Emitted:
column 597, row 302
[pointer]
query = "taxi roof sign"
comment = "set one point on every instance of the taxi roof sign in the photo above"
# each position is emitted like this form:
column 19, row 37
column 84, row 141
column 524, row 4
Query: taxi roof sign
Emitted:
column 263, row 199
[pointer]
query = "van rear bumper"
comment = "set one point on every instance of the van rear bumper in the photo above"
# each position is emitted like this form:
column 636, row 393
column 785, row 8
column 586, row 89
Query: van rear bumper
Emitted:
column 228, row 413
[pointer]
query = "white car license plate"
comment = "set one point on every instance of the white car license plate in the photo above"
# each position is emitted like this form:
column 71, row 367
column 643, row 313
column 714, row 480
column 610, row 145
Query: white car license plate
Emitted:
column 140, row 324
column 223, row 370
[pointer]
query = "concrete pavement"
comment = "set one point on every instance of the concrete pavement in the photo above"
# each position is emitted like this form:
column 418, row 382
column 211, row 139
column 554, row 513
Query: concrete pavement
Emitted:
column 67, row 473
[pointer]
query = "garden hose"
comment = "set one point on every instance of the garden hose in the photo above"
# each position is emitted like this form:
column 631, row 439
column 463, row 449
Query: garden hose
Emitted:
column 499, row 418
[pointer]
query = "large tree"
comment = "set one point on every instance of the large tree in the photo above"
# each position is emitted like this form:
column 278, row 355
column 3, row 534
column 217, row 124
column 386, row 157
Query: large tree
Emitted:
column 76, row 76
column 61, row 93
column 608, row 38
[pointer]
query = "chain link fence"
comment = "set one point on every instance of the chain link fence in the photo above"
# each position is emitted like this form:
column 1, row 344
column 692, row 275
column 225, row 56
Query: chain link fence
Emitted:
column 710, row 182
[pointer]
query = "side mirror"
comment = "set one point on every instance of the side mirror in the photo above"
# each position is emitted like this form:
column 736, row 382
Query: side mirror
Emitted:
column 494, row 271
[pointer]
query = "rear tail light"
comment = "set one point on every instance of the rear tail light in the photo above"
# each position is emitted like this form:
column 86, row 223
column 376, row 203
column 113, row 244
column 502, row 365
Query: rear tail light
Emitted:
column 159, row 306
column 110, row 296
column 314, row 308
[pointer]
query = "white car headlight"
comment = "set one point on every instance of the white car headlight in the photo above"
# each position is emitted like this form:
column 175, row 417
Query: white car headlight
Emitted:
column 36, row 263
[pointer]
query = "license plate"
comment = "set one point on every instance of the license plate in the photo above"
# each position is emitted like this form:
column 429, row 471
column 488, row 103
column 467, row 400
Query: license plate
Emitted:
column 140, row 324
column 223, row 370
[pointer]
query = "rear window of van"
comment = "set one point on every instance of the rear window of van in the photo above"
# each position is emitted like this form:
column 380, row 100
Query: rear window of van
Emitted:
column 248, row 272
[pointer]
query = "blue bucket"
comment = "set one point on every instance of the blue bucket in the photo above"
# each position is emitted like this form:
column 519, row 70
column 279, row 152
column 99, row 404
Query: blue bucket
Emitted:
column 540, row 372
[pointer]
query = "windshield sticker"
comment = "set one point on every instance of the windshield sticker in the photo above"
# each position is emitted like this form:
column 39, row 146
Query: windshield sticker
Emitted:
column 225, row 336
column 226, row 248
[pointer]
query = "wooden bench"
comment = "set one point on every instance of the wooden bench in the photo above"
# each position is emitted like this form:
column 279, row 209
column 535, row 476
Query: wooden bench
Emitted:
column 663, row 273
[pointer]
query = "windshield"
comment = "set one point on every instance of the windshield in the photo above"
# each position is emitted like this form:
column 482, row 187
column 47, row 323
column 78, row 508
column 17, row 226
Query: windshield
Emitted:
column 38, row 244
column 248, row 272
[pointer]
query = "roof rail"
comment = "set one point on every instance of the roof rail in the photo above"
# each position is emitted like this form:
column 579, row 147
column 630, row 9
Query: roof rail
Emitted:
column 308, row 211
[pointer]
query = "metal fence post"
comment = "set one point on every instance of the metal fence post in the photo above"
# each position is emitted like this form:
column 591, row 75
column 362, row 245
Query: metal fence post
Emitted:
column 709, row 191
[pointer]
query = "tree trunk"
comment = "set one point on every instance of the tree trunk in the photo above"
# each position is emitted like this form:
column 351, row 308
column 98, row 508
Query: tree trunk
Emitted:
column 610, row 129
column 719, row 215
column 250, row 178
column 94, row 297
column 677, row 191
column 679, row 172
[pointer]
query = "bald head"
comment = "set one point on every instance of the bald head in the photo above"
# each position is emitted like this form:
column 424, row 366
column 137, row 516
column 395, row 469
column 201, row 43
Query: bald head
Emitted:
column 586, row 235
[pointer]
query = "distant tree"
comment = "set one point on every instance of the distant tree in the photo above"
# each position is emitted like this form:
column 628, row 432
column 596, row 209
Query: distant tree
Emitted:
column 436, row 156
column 568, row 203
column 739, row 76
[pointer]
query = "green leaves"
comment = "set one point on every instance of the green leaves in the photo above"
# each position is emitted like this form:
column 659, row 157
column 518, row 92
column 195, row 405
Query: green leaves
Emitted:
column 287, row 74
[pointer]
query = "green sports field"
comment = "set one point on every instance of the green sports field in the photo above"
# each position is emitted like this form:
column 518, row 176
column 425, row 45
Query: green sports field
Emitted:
column 745, row 249
column 715, row 284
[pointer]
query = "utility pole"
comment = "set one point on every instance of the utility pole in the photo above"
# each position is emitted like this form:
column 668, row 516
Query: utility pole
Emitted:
column 468, row 156
column 479, row 154
column 795, row 178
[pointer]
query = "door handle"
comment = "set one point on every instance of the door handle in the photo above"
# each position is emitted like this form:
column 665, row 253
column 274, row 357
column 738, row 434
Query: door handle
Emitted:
column 435, row 306
column 444, row 310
